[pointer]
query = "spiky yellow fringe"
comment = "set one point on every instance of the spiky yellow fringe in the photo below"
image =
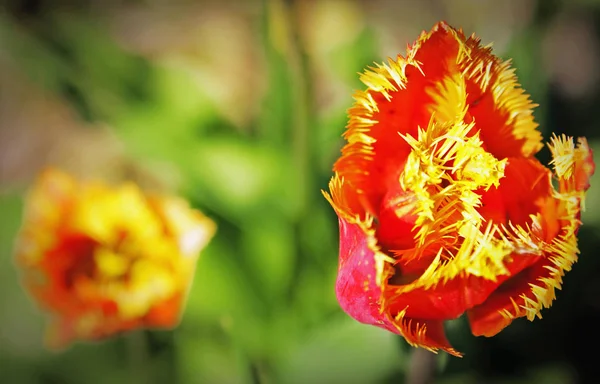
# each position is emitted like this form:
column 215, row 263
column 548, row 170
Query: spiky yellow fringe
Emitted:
column 383, row 262
column 445, row 169
column 415, row 333
column 563, row 251
column 478, row 64
column 382, row 79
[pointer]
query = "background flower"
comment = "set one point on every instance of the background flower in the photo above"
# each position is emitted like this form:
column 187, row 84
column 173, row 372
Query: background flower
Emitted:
column 104, row 260
column 443, row 209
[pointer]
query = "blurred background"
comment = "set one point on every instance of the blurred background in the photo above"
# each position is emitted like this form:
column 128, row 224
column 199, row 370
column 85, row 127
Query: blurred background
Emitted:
column 239, row 106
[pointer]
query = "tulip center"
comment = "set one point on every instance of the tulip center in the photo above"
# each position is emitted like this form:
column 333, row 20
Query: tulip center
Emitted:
column 116, row 273
column 77, row 253
column 438, row 196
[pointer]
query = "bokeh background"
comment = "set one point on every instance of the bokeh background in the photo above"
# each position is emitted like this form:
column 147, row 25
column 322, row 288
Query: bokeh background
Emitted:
column 239, row 107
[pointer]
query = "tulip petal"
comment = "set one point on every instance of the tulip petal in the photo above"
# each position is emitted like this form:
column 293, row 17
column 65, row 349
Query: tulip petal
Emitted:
column 498, row 104
column 525, row 294
column 505, row 303
column 375, row 153
column 359, row 294
column 357, row 288
column 450, row 299
column 521, row 193
column 428, row 334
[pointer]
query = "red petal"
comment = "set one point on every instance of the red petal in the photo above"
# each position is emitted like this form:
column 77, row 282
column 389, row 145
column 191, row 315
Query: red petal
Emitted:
column 397, row 220
column 71, row 256
column 522, row 192
column 501, row 109
column 407, row 109
column 491, row 317
column 584, row 166
column 166, row 314
column 451, row 299
column 428, row 334
column 360, row 296
column 356, row 286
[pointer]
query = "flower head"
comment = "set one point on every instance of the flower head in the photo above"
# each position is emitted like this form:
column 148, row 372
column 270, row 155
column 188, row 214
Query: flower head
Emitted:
column 104, row 260
column 443, row 208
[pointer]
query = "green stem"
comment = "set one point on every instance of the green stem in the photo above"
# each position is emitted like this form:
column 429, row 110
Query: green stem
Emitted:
column 137, row 353
column 286, row 39
column 422, row 367
column 302, row 118
column 301, row 108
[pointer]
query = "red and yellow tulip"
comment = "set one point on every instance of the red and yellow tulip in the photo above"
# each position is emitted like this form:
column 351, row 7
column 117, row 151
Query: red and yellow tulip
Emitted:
column 443, row 208
column 102, row 260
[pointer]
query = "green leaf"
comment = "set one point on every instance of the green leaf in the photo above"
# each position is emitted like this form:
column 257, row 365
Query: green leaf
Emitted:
column 240, row 179
column 220, row 290
column 268, row 245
